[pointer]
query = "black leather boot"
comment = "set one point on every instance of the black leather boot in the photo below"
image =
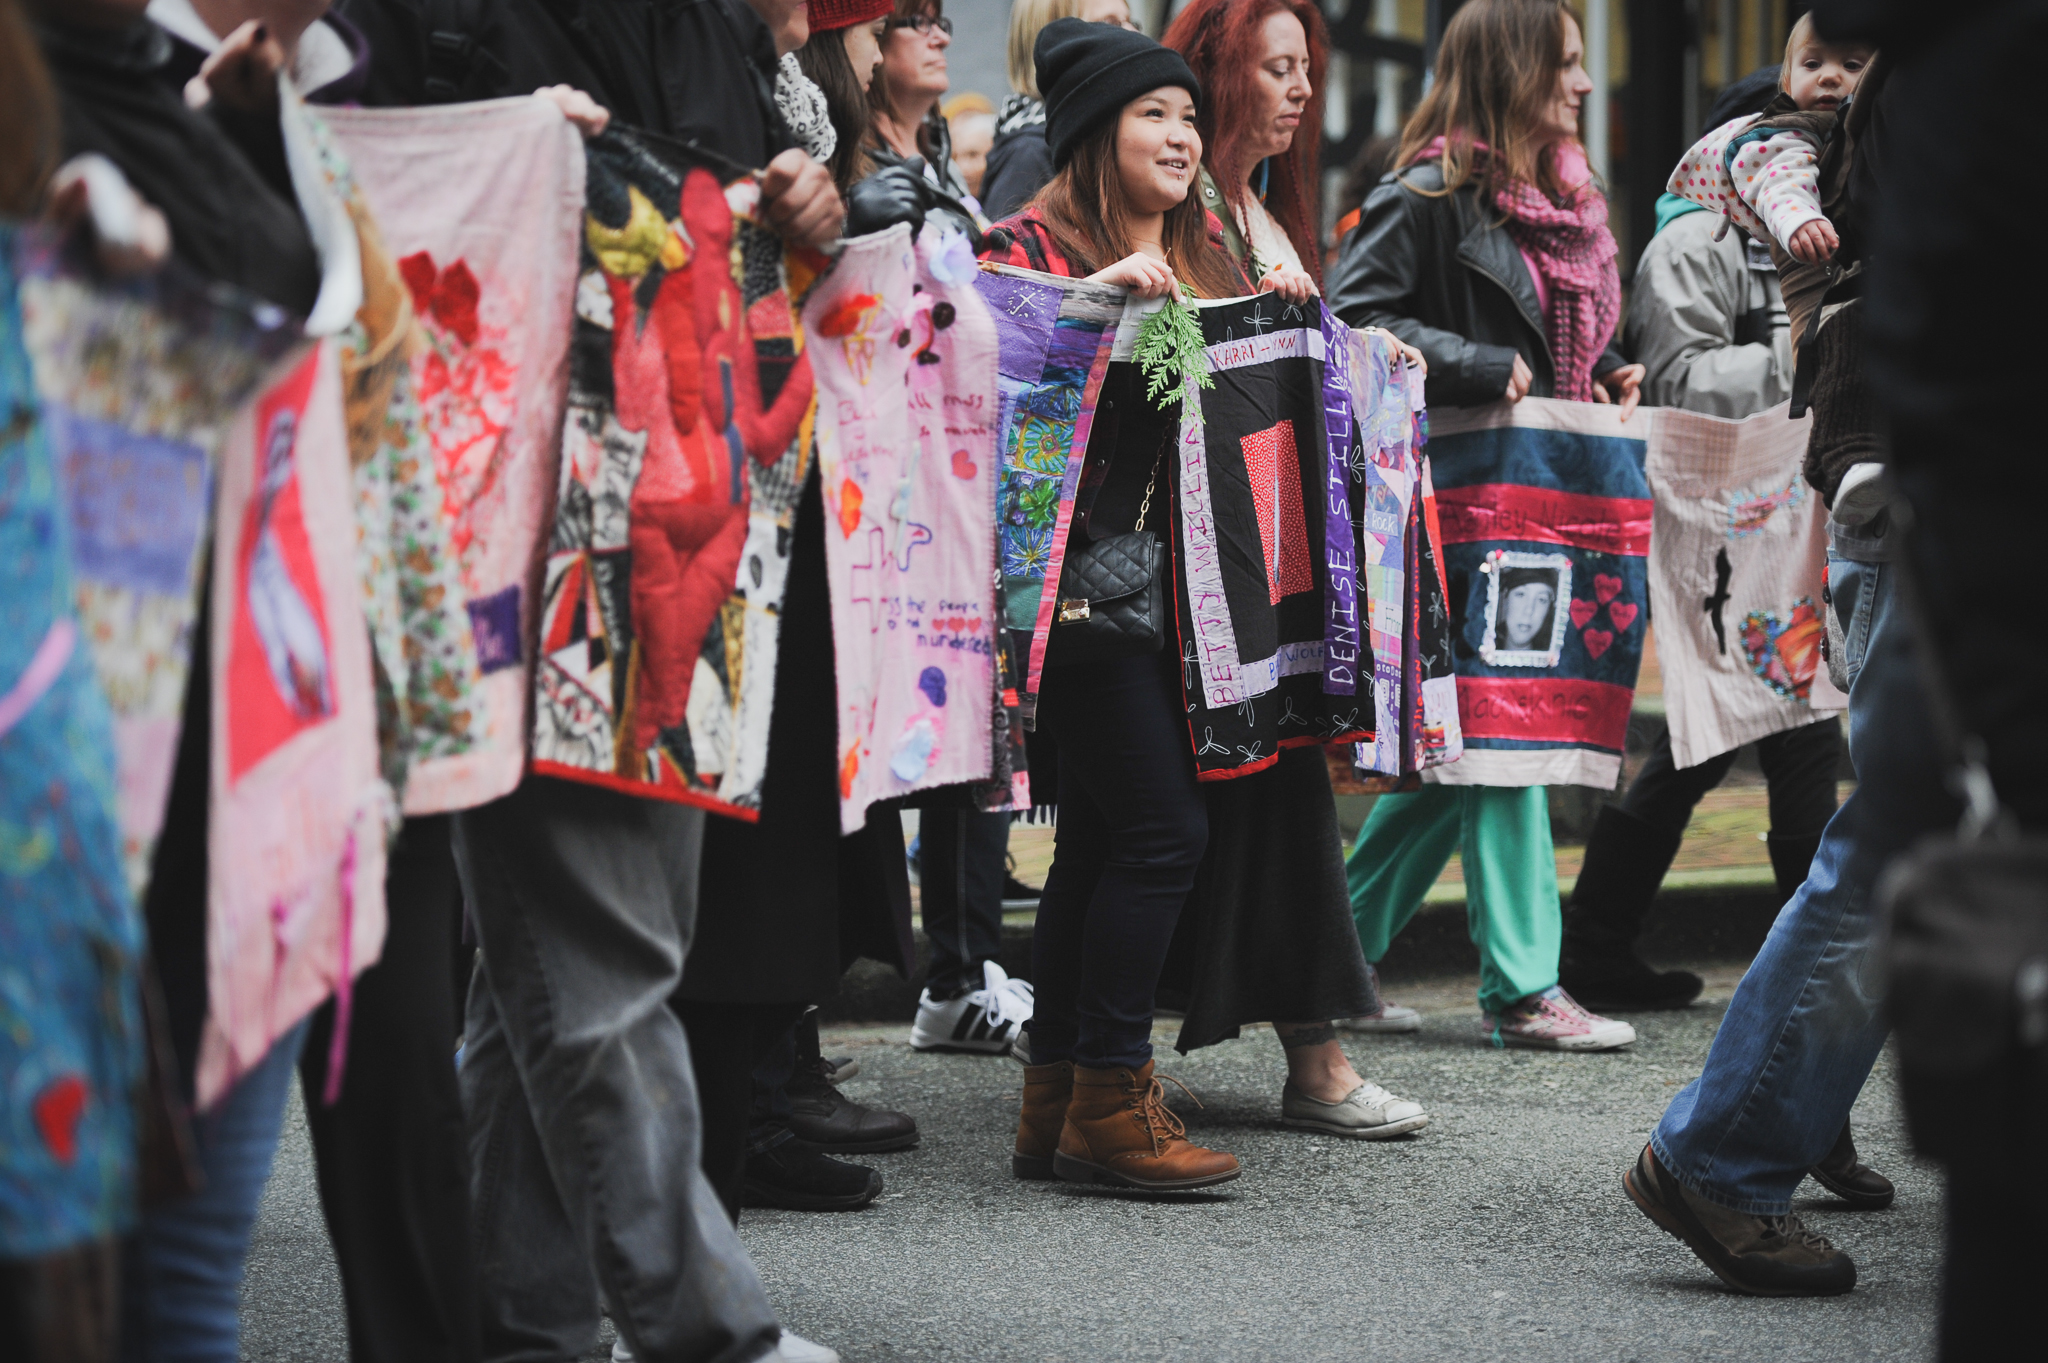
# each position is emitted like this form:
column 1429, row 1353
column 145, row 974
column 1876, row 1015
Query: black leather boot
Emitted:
column 1791, row 859
column 1626, row 859
column 1856, row 1183
column 836, row 1124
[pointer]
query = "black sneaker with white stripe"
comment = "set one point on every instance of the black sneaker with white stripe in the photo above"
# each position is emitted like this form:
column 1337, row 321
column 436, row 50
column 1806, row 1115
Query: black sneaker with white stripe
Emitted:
column 986, row 1020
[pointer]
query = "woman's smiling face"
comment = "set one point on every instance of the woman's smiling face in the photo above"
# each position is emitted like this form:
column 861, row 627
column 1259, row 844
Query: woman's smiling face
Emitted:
column 1158, row 149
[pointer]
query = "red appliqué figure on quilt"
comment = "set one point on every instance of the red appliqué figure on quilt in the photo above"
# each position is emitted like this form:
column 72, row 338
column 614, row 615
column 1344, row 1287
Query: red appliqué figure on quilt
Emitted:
column 682, row 460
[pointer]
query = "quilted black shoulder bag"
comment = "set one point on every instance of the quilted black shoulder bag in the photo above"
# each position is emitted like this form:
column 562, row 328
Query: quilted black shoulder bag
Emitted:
column 1112, row 598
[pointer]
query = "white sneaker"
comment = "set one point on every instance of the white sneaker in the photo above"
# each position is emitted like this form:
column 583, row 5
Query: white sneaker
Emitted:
column 1392, row 1017
column 1368, row 1113
column 796, row 1349
column 1553, row 1020
column 788, row 1349
column 985, row 1020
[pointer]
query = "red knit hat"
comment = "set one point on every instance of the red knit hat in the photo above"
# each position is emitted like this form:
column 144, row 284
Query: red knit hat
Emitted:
column 827, row 15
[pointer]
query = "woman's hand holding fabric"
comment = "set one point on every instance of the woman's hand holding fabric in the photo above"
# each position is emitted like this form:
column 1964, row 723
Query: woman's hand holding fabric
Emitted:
column 891, row 195
column 1519, row 380
column 1146, row 276
column 803, row 206
column 241, row 73
column 588, row 116
column 1291, row 284
column 1623, row 385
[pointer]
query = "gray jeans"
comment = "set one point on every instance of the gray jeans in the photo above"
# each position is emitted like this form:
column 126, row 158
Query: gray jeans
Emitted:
column 577, row 1087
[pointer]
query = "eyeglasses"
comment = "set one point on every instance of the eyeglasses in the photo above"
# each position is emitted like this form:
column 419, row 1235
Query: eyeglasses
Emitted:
column 923, row 23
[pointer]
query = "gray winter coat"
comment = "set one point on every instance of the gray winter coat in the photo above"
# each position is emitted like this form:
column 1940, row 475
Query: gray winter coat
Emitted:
column 1707, row 322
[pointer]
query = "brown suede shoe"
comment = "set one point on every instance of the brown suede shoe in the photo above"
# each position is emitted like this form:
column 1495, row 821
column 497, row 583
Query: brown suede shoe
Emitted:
column 1047, row 1089
column 1765, row 1256
column 1120, row 1131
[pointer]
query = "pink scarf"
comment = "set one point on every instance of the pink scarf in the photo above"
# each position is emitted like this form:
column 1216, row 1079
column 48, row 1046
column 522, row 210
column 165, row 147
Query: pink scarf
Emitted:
column 1573, row 255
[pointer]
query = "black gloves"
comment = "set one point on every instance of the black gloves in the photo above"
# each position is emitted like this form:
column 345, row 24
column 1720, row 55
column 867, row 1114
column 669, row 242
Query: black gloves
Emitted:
column 891, row 195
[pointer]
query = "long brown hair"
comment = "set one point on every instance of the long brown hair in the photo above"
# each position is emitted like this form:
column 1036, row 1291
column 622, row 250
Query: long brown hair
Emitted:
column 28, row 112
column 1221, row 41
column 879, row 99
column 1084, row 209
column 1496, row 70
column 823, row 58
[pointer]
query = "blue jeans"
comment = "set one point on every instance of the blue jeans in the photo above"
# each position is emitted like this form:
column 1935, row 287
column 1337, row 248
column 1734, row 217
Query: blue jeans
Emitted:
column 1804, row 1027
column 181, row 1298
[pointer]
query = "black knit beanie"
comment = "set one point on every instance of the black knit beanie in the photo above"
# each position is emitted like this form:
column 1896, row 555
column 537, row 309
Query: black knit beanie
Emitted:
column 1090, row 71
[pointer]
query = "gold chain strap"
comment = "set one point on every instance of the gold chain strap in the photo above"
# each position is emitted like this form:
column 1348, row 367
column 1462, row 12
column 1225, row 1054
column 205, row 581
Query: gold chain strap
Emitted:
column 1145, row 507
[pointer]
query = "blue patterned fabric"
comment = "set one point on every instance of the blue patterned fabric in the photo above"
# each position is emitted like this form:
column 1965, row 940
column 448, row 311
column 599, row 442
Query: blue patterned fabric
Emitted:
column 71, row 1050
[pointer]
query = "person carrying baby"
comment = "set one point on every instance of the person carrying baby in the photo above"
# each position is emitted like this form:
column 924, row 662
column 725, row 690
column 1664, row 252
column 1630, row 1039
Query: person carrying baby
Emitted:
column 1784, row 177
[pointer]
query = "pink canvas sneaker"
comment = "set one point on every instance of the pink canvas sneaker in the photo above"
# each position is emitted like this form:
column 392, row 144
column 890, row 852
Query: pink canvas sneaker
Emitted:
column 1554, row 1021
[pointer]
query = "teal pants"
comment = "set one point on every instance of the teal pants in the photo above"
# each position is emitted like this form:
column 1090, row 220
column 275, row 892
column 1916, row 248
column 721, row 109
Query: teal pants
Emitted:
column 1511, row 907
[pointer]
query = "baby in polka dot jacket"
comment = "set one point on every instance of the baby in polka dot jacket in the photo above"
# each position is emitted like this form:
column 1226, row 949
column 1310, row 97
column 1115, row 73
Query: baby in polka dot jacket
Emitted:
column 1762, row 171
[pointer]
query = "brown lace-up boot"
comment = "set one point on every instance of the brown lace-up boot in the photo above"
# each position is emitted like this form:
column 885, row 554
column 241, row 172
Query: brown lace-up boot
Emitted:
column 1047, row 1089
column 1120, row 1131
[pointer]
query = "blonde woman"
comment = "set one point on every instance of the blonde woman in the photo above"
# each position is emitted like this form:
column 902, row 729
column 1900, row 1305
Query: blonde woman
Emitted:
column 1019, row 165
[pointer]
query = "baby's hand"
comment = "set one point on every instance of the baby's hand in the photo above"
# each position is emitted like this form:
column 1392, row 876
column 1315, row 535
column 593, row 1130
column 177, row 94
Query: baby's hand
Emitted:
column 1814, row 242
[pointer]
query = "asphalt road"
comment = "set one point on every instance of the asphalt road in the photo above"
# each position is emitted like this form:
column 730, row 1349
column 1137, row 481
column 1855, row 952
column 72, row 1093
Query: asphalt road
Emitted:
column 1500, row 1232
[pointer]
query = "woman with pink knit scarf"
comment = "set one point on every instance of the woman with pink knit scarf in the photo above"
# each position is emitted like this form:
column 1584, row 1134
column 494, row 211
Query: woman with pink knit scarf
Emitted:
column 1488, row 251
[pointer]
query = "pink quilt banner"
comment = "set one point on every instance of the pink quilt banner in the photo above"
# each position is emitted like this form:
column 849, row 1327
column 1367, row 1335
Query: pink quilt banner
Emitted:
column 904, row 354
column 482, row 207
column 1735, row 580
column 295, row 892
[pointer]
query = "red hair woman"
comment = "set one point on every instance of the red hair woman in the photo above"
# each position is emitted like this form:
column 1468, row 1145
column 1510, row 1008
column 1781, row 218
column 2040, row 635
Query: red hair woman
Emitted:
column 1261, row 63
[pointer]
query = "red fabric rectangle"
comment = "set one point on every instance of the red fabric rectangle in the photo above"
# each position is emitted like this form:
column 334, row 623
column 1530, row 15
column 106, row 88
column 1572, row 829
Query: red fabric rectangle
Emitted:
column 1545, row 709
column 1512, row 511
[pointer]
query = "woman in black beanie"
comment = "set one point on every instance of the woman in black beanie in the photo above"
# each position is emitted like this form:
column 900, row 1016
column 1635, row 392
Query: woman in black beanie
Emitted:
column 1134, row 822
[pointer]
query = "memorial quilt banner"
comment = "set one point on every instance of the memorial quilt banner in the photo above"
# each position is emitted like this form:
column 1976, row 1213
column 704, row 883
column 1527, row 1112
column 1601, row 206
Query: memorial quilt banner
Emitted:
column 1546, row 518
column 684, row 448
column 295, row 837
column 1415, row 703
column 1736, row 565
column 481, row 207
column 1053, row 341
column 139, row 382
column 904, row 354
column 71, row 1052
column 1269, row 574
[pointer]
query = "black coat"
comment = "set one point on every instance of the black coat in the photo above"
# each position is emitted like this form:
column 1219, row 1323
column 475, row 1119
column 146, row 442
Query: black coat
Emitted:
column 227, row 221
column 1442, row 273
column 694, row 70
column 1019, row 165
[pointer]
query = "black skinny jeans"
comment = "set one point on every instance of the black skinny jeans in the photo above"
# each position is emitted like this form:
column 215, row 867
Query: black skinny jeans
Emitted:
column 1799, row 766
column 1132, row 827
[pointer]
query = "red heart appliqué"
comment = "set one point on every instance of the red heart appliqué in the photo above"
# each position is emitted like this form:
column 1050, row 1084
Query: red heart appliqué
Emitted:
column 1605, row 587
column 57, row 1110
column 1597, row 642
column 1622, row 613
column 954, row 623
column 448, row 295
column 1582, row 611
column 974, row 625
column 963, row 467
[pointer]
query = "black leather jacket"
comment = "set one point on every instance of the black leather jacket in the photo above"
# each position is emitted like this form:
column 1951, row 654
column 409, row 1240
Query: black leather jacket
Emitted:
column 1446, row 277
